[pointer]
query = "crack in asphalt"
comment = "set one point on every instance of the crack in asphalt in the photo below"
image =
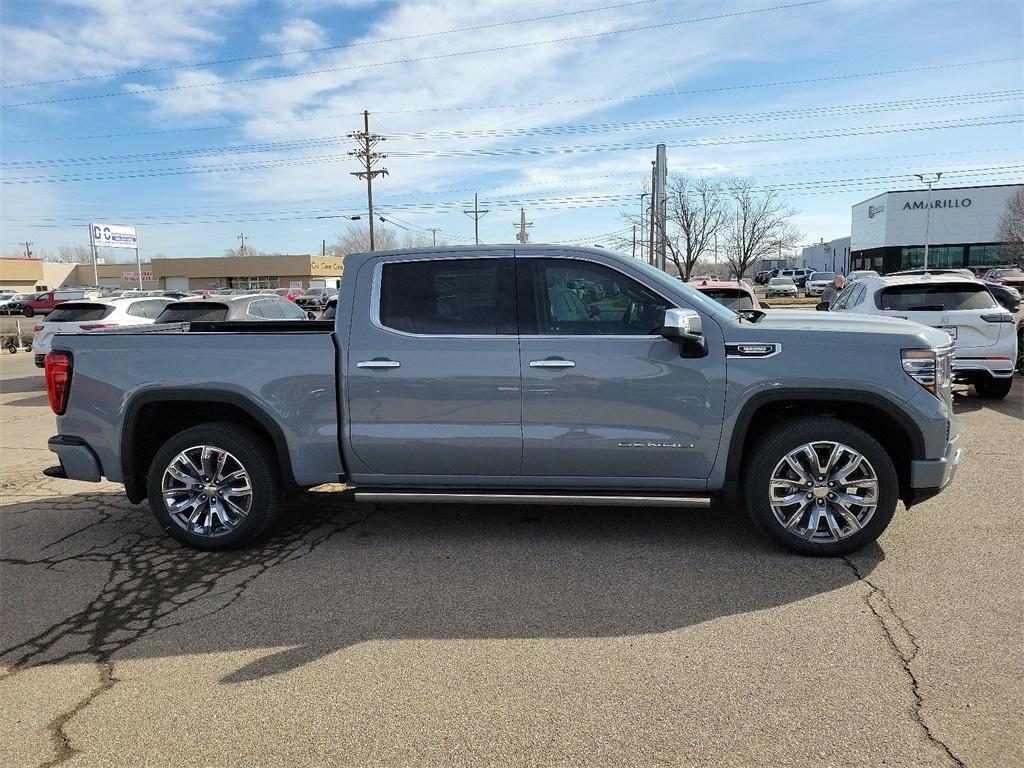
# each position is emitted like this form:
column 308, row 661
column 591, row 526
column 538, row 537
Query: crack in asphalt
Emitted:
column 905, row 646
column 151, row 580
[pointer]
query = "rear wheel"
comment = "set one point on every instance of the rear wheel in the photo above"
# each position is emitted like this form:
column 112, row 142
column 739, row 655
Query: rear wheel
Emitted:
column 821, row 487
column 214, row 486
column 993, row 389
column 28, row 312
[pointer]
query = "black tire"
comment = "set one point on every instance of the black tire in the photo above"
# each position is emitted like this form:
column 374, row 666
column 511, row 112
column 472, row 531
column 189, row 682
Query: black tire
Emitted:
column 255, row 456
column 993, row 389
column 771, row 450
column 11, row 348
column 28, row 312
column 28, row 347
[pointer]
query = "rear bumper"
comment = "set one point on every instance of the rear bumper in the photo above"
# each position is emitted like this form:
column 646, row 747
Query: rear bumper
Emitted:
column 971, row 369
column 76, row 457
column 929, row 477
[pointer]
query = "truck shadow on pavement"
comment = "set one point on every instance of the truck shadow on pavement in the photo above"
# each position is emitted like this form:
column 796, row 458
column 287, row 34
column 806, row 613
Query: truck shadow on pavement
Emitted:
column 337, row 573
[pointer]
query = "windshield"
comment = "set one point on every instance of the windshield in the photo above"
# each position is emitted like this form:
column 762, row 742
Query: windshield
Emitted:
column 733, row 298
column 1008, row 273
column 189, row 312
column 79, row 313
column 816, row 276
column 945, row 297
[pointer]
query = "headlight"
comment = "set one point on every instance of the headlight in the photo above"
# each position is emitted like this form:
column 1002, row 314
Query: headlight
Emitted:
column 932, row 369
column 920, row 366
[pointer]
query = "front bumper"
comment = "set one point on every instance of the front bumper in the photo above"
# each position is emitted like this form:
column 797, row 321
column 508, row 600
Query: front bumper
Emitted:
column 76, row 457
column 929, row 477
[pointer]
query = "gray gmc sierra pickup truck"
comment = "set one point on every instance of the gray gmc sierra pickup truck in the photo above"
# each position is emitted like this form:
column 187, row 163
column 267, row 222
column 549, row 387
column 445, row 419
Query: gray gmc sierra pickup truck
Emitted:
column 515, row 374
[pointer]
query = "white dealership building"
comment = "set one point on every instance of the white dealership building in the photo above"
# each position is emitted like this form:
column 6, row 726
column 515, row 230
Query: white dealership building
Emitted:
column 888, row 231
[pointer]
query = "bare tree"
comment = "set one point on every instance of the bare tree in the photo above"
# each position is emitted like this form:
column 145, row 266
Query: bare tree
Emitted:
column 696, row 214
column 1011, row 225
column 759, row 223
column 249, row 251
column 356, row 239
column 72, row 254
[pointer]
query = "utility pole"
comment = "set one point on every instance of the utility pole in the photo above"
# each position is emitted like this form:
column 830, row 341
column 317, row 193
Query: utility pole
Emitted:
column 661, row 194
column 243, row 237
column 28, row 249
column 523, row 236
column 643, row 224
column 654, row 205
column 928, row 213
column 433, row 232
column 368, row 158
column 476, row 214
column 634, row 241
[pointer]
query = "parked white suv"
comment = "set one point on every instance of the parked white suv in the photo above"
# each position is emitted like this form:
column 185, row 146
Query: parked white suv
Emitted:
column 73, row 316
column 985, row 343
column 817, row 282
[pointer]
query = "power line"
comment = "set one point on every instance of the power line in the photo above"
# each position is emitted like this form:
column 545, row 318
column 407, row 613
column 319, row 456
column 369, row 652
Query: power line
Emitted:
column 640, row 125
column 522, row 105
column 568, row 181
column 826, row 186
column 326, row 48
column 414, row 60
column 537, row 151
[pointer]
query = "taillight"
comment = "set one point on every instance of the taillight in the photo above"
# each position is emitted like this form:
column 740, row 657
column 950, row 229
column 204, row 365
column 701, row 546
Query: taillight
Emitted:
column 94, row 326
column 58, row 379
column 36, row 328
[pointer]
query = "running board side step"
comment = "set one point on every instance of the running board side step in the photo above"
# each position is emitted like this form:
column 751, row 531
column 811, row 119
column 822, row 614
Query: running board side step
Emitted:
column 611, row 500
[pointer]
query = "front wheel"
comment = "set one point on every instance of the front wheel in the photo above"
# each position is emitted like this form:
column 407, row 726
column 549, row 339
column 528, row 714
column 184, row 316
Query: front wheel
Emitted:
column 821, row 487
column 11, row 348
column 993, row 389
column 214, row 486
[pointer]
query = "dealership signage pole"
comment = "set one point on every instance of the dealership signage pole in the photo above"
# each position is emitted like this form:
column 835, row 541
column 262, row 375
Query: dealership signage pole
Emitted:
column 95, row 259
column 928, row 213
column 114, row 236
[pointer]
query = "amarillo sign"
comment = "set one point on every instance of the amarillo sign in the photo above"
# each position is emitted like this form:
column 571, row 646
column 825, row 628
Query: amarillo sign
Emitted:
column 922, row 205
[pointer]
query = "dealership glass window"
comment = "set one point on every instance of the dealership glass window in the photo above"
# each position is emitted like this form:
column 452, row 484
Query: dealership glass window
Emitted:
column 985, row 255
column 254, row 282
column 938, row 256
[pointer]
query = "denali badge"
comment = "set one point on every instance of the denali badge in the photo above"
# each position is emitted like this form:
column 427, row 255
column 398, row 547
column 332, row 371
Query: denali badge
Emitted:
column 752, row 349
column 650, row 444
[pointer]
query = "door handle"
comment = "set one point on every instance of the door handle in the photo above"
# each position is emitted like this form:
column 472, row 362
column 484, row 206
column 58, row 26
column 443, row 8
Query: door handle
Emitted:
column 552, row 364
column 378, row 364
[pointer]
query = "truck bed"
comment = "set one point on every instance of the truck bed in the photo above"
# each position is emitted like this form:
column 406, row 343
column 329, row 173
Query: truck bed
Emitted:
column 281, row 373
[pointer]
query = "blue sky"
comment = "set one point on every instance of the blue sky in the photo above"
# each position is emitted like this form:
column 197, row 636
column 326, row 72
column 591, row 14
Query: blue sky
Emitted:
column 560, row 114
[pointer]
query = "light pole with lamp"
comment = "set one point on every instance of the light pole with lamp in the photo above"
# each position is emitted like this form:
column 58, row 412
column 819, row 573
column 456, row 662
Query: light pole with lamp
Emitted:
column 323, row 245
column 928, row 212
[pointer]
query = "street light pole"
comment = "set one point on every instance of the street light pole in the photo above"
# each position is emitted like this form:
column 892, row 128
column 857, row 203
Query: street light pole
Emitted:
column 928, row 213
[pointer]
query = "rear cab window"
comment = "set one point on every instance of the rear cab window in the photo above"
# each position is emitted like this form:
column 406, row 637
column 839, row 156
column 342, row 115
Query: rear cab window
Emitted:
column 448, row 297
column 79, row 313
column 937, row 297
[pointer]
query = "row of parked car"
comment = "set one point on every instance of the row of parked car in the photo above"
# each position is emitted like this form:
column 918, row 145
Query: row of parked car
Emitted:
column 44, row 302
column 151, row 308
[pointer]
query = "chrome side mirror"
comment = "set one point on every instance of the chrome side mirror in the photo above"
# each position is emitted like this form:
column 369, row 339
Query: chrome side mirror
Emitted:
column 684, row 328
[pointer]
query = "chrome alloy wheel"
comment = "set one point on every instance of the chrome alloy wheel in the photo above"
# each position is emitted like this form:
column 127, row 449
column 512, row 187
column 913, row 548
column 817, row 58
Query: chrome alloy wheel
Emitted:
column 823, row 491
column 206, row 490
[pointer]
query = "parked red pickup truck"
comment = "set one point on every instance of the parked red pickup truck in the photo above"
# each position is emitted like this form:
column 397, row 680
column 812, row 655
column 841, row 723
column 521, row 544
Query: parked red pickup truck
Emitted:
column 42, row 303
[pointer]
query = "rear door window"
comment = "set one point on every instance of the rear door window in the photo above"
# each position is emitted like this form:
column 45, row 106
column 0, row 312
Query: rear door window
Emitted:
column 449, row 297
column 79, row 313
column 265, row 310
column 193, row 312
column 939, row 297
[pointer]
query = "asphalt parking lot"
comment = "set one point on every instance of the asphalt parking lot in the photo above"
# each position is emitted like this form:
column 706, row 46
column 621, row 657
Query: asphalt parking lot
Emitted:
column 361, row 635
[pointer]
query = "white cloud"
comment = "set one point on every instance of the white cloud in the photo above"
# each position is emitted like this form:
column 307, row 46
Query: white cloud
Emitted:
column 91, row 37
column 297, row 34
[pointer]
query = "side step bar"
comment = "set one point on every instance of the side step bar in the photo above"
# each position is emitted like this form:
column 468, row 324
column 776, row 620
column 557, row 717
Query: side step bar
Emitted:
column 610, row 500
